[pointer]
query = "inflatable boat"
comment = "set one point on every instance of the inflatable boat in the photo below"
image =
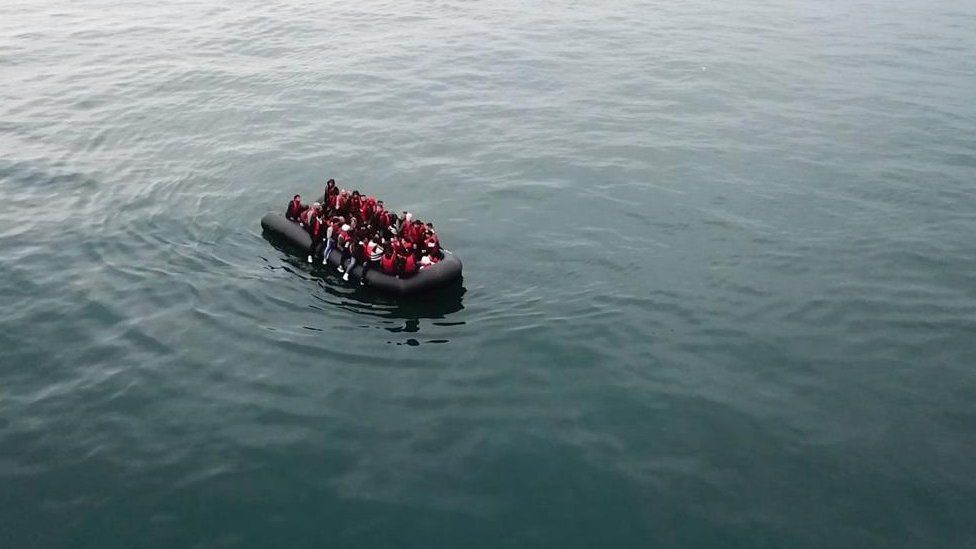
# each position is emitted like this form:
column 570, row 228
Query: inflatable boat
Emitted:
column 438, row 275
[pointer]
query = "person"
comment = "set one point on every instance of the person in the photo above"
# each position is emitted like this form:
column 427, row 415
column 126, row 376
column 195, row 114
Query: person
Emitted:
column 330, row 191
column 381, row 216
column 404, row 221
column 374, row 256
column 409, row 265
column 317, row 230
column 355, row 252
column 328, row 243
column 295, row 208
column 433, row 246
column 305, row 219
column 340, row 202
column 388, row 262
column 342, row 244
column 355, row 205
column 418, row 231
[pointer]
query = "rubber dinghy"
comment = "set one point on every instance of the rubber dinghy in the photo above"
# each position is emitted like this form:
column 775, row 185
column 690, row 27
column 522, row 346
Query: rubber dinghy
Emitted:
column 440, row 274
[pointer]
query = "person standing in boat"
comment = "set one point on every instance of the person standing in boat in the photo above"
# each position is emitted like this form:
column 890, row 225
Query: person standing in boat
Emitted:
column 305, row 219
column 355, row 252
column 329, row 196
column 317, row 228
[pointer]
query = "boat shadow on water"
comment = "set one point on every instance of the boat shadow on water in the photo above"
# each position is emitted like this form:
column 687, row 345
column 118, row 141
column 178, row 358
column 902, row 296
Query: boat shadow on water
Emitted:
column 400, row 314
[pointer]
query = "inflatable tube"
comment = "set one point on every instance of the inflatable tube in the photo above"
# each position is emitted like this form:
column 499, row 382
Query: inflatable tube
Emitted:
column 440, row 274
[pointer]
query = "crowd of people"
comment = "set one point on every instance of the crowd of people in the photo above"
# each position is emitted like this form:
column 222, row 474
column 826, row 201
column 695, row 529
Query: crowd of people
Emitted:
column 365, row 233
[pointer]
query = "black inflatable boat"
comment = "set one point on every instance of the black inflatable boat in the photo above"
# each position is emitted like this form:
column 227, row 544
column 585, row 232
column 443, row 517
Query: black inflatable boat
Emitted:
column 440, row 274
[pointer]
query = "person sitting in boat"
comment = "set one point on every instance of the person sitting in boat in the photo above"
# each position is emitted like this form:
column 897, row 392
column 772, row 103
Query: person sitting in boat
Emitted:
column 427, row 260
column 432, row 248
column 372, row 256
column 388, row 262
column 295, row 208
column 408, row 266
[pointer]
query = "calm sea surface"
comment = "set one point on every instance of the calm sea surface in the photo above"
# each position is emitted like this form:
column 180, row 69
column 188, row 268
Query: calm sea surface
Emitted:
column 719, row 287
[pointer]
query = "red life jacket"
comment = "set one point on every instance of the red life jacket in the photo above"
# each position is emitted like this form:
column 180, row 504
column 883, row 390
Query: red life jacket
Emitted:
column 305, row 217
column 410, row 266
column 340, row 203
column 294, row 209
column 416, row 232
column 387, row 264
column 317, row 229
column 369, row 205
column 342, row 238
column 383, row 218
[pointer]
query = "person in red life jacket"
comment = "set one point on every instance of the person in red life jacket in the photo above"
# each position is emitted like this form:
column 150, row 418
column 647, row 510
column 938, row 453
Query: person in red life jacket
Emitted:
column 399, row 264
column 419, row 231
column 306, row 217
column 317, row 229
column 341, row 198
column 406, row 228
column 324, row 242
column 388, row 262
column 355, row 205
column 406, row 261
column 367, row 209
column 394, row 223
column 329, row 194
column 409, row 265
column 295, row 208
column 433, row 247
column 381, row 217
column 404, row 222
column 373, row 256
column 394, row 246
column 342, row 244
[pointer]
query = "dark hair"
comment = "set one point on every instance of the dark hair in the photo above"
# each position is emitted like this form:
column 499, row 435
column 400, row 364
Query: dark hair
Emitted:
column 296, row 196
column 331, row 181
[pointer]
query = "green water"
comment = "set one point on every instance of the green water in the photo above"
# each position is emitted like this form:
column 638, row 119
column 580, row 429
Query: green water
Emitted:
column 719, row 275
